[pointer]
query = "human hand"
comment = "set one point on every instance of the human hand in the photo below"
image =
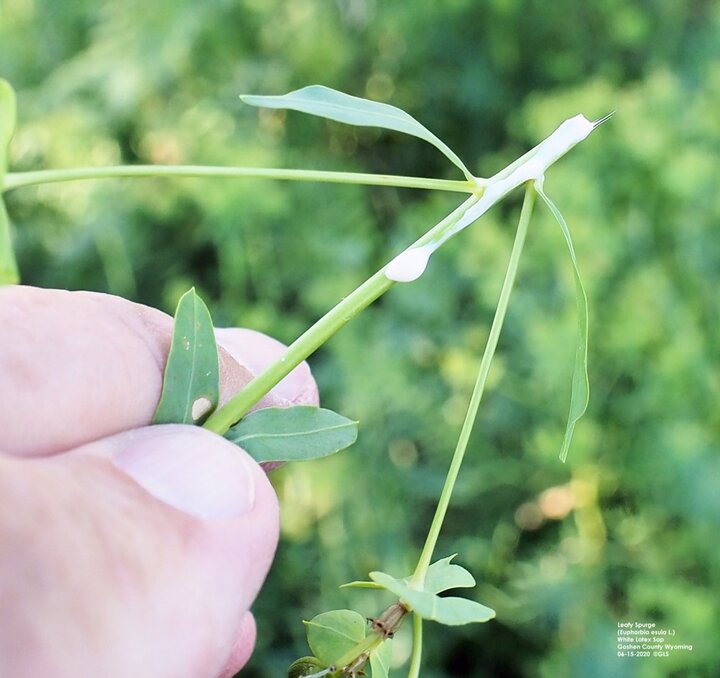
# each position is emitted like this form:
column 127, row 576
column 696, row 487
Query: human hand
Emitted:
column 125, row 549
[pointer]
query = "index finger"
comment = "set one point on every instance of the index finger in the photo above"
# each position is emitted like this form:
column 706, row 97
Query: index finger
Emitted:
column 78, row 366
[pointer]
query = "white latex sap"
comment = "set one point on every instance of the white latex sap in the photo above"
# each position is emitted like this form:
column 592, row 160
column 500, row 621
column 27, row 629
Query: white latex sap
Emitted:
column 411, row 264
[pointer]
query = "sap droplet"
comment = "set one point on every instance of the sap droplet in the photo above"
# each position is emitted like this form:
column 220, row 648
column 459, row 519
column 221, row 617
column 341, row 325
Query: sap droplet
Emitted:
column 200, row 407
column 409, row 265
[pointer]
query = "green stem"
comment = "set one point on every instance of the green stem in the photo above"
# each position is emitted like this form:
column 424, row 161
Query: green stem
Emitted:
column 221, row 420
column 416, row 657
column 368, row 644
column 18, row 179
column 418, row 577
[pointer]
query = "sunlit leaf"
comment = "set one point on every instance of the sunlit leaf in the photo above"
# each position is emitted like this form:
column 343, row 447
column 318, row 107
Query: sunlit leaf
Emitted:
column 580, row 394
column 293, row 433
column 329, row 103
column 443, row 575
column 330, row 635
column 380, row 660
column 191, row 383
column 448, row 610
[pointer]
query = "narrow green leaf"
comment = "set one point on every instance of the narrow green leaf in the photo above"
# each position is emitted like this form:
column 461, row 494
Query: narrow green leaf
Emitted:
column 329, row 103
column 449, row 610
column 293, row 433
column 330, row 635
column 192, row 380
column 380, row 660
column 580, row 394
column 8, row 118
column 442, row 575
column 361, row 585
column 8, row 266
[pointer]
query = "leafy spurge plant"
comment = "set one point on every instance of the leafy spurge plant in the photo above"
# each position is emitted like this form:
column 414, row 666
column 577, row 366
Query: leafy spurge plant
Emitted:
column 342, row 642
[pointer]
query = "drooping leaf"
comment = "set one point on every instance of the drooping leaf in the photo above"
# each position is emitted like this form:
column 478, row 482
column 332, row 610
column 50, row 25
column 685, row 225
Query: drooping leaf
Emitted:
column 293, row 433
column 580, row 393
column 443, row 575
column 332, row 634
column 8, row 266
column 191, row 383
column 448, row 610
column 329, row 103
column 380, row 660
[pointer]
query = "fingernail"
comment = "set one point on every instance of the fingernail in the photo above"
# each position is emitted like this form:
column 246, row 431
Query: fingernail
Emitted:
column 190, row 469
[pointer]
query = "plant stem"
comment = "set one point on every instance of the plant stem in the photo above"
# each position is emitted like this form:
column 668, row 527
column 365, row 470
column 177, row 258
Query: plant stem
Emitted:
column 314, row 337
column 221, row 420
column 418, row 577
column 390, row 620
column 368, row 644
column 18, row 179
column 416, row 657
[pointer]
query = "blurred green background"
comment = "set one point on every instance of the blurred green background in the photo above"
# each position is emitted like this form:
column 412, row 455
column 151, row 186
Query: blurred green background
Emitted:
column 627, row 530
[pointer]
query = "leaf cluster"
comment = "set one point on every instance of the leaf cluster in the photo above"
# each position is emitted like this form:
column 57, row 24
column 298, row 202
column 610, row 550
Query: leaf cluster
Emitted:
column 191, row 392
column 424, row 600
column 337, row 638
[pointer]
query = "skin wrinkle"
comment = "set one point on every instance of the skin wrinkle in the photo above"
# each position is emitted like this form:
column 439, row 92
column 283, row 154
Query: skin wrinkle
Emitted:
column 151, row 327
column 127, row 355
column 159, row 324
column 142, row 385
column 154, row 336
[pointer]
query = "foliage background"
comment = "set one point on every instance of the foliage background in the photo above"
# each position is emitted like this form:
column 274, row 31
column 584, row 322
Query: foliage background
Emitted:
column 627, row 529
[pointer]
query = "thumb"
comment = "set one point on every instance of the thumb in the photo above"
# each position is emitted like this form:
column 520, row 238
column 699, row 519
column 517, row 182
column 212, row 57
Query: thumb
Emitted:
column 136, row 555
